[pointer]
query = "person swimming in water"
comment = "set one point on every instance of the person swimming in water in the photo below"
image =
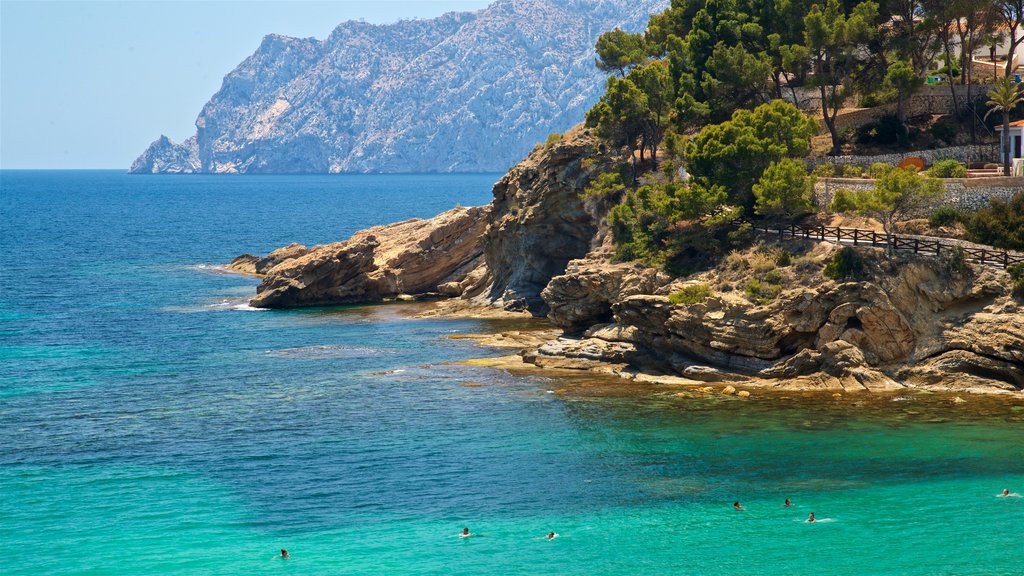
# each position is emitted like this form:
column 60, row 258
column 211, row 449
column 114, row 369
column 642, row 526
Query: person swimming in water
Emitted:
column 736, row 506
column 1007, row 494
column 787, row 503
column 810, row 518
column 465, row 533
column 552, row 535
column 284, row 554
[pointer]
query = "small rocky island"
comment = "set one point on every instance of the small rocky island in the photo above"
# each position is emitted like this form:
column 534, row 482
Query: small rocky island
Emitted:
column 542, row 248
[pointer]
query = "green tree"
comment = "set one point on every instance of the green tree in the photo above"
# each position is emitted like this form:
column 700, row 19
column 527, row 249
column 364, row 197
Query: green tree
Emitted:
column 733, row 154
column 618, row 50
column 619, row 116
column 642, row 224
column 902, row 78
column 654, row 81
column 897, row 195
column 784, row 190
column 836, row 42
column 1003, row 98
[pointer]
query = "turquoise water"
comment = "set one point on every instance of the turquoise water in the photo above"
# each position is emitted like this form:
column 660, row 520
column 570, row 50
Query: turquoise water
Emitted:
column 151, row 424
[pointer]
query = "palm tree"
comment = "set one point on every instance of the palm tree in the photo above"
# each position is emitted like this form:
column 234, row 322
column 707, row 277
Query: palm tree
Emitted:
column 1004, row 98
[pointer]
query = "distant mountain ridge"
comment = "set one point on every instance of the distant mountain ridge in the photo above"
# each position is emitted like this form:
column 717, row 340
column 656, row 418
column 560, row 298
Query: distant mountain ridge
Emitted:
column 464, row 92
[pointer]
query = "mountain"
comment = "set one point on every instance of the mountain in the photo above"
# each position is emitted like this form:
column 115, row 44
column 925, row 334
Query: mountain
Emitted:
column 465, row 92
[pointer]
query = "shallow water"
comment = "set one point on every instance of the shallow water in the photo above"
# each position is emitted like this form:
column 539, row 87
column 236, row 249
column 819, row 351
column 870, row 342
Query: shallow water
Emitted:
column 151, row 424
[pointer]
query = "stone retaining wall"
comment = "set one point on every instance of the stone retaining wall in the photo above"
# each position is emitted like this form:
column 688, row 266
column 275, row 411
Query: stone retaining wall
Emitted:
column 969, row 153
column 966, row 194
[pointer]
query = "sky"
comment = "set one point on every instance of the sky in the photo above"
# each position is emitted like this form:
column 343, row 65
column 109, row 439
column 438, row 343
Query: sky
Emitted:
column 90, row 84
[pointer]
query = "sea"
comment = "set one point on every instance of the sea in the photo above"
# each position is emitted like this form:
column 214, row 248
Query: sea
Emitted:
column 151, row 422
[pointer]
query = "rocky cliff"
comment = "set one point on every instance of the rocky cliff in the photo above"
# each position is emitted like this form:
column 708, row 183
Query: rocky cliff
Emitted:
column 464, row 92
column 911, row 321
column 415, row 257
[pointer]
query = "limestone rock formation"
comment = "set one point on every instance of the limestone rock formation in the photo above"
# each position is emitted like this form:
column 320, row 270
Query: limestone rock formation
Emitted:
column 539, row 222
column 464, row 92
column 412, row 257
column 916, row 323
column 259, row 266
column 165, row 157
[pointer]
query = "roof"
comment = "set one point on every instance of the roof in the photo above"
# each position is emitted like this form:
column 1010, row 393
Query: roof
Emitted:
column 1014, row 124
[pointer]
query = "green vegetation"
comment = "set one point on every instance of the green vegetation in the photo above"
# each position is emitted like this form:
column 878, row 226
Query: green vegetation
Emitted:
column 735, row 154
column 761, row 292
column 948, row 169
column 846, row 264
column 693, row 294
column 1017, row 275
column 1001, row 224
column 1005, row 97
column 943, row 216
column 897, row 194
column 605, row 185
column 553, row 139
column 784, row 191
column 702, row 88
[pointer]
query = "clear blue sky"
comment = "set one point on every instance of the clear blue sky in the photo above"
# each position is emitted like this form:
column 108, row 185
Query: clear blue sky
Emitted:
column 90, row 84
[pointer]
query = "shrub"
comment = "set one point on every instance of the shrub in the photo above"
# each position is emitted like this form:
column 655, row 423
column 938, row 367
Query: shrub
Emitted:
column 948, row 169
column 693, row 294
column 824, row 170
column 852, row 171
column 773, row 277
column 782, row 258
column 879, row 169
column 883, row 131
column 605, row 185
column 1017, row 275
column 761, row 293
column 553, row 139
column 945, row 131
column 955, row 261
column 943, row 216
column 846, row 263
column 784, row 190
column 761, row 262
column 1001, row 224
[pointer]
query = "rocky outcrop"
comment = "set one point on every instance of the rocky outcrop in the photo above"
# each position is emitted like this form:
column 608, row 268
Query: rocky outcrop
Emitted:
column 460, row 93
column 916, row 322
column 412, row 257
column 260, row 265
column 165, row 157
column 539, row 222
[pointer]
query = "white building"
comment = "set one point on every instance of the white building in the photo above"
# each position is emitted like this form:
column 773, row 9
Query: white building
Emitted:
column 1016, row 135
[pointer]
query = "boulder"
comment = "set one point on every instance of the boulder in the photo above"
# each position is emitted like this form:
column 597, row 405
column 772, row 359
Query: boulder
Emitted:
column 414, row 257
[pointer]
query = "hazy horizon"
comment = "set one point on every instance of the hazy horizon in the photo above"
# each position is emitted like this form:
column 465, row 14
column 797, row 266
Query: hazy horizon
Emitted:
column 88, row 85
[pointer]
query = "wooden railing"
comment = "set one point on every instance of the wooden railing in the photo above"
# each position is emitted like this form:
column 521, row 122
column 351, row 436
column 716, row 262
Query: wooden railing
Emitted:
column 916, row 244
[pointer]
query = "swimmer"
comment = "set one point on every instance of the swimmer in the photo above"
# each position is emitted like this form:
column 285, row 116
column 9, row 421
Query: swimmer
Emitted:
column 552, row 535
column 284, row 554
column 811, row 518
column 465, row 533
column 736, row 506
column 787, row 503
column 1007, row 494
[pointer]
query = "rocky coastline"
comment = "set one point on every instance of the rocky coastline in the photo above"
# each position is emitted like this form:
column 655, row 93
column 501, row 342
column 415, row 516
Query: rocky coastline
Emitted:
column 540, row 249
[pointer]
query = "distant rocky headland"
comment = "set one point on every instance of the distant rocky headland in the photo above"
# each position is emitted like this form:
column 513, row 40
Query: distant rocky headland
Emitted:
column 541, row 249
column 465, row 92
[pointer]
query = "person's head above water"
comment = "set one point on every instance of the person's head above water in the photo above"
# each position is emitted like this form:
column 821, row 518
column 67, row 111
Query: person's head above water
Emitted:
column 465, row 531
column 788, row 503
column 284, row 553
column 1006, row 491
column 810, row 518
column 551, row 535
column 736, row 505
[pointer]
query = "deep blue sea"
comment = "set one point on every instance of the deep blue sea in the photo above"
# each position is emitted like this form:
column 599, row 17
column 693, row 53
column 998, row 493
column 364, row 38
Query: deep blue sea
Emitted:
column 151, row 423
